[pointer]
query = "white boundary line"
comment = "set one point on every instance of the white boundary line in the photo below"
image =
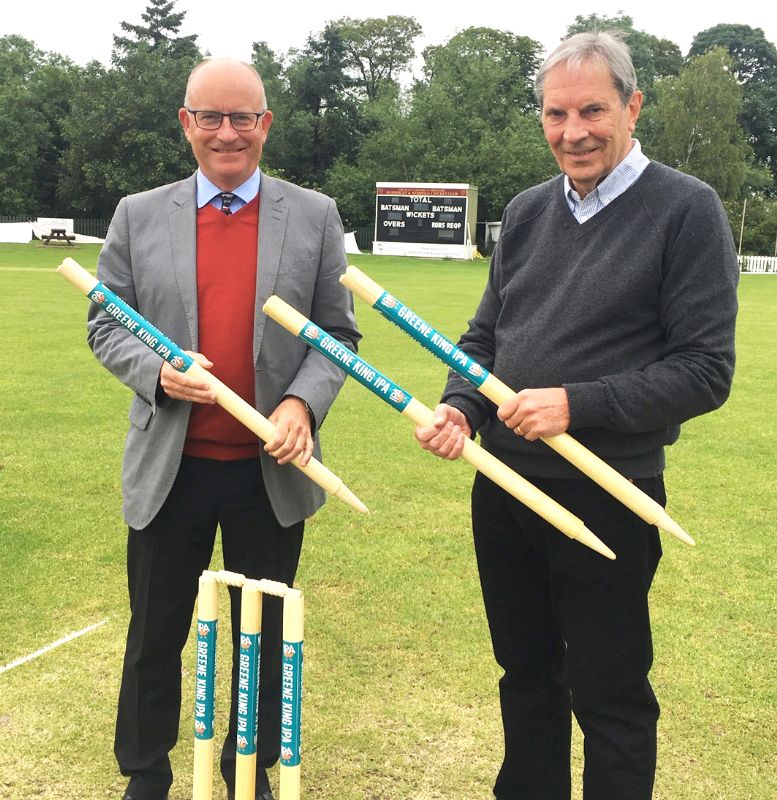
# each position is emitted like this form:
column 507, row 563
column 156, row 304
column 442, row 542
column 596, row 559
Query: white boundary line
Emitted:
column 48, row 647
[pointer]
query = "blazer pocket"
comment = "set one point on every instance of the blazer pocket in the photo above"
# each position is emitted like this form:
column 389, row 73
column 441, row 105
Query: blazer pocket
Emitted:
column 140, row 413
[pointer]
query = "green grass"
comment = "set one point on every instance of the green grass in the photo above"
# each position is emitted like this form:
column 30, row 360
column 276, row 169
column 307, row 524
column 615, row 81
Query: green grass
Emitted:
column 400, row 684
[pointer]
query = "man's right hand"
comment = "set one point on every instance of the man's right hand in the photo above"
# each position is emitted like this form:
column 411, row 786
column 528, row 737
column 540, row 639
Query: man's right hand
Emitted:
column 180, row 386
column 446, row 435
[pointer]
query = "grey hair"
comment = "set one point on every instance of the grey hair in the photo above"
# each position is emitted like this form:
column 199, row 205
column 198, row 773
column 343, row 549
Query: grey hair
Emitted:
column 250, row 67
column 598, row 47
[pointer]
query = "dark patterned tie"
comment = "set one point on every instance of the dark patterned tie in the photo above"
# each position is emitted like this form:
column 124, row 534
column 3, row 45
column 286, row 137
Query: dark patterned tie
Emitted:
column 226, row 202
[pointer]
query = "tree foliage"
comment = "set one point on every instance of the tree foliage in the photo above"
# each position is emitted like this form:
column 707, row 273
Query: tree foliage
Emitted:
column 754, row 62
column 35, row 88
column 159, row 34
column 73, row 140
column 472, row 119
column 698, row 131
column 653, row 58
column 122, row 128
column 377, row 50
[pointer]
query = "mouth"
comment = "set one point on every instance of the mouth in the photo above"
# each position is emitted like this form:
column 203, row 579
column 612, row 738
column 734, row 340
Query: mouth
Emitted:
column 581, row 153
column 227, row 150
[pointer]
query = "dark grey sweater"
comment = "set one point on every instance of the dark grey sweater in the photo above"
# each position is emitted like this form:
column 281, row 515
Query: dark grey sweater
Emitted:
column 632, row 312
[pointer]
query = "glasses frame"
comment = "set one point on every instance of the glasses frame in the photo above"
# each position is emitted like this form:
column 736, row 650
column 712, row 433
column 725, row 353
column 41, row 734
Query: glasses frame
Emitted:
column 257, row 115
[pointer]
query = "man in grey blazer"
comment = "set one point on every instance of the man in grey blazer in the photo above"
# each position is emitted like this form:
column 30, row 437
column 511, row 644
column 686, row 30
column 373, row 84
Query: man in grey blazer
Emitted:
column 199, row 258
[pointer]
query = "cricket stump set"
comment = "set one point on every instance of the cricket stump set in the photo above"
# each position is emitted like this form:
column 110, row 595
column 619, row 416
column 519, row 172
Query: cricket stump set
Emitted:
column 251, row 593
column 253, row 590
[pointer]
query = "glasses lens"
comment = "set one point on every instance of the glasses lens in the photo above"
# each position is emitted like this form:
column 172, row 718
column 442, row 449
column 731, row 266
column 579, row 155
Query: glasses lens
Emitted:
column 210, row 120
column 243, row 122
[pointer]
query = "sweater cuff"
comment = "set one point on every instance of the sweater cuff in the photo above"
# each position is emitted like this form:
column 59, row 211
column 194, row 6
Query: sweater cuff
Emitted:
column 587, row 405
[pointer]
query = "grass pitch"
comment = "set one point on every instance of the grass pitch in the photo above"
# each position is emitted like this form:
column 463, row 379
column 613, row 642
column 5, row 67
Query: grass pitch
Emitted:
column 400, row 685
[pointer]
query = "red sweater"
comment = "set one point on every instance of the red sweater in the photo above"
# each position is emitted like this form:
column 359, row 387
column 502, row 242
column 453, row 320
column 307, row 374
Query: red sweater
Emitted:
column 226, row 298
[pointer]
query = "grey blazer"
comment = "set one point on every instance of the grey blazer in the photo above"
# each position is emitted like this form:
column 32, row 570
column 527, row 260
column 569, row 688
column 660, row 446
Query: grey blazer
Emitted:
column 149, row 259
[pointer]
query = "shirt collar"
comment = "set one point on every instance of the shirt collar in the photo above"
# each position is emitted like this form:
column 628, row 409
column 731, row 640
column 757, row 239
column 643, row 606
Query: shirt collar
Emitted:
column 624, row 175
column 207, row 190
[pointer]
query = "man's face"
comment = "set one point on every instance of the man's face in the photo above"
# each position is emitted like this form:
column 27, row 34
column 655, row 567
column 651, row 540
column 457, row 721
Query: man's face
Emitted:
column 585, row 123
column 227, row 157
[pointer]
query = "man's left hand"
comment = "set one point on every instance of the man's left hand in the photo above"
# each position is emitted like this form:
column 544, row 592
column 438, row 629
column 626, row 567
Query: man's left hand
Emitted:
column 293, row 436
column 536, row 413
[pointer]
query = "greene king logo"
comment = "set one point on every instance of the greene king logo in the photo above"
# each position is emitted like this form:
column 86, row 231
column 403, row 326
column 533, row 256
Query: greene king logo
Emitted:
column 203, row 628
column 245, row 643
column 98, row 297
column 286, row 753
column 176, row 362
column 388, row 301
column 199, row 727
column 397, row 396
column 311, row 332
column 288, row 650
column 476, row 370
column 242, row 742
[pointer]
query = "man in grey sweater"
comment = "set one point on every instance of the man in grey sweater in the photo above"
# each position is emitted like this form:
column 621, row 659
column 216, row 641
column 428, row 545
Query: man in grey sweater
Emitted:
column 610, row 304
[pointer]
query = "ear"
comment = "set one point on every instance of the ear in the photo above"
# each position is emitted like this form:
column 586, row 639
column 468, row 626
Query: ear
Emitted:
column 186, row 121
column 634, row 107
column 265, row 123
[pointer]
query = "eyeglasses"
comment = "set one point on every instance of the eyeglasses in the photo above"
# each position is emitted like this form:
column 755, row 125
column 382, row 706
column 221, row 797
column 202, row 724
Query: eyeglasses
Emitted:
column 241, row 120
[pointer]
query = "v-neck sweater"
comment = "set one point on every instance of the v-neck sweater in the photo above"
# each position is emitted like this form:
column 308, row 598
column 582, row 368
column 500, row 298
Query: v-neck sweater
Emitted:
column 227, row 247
column 632, row 312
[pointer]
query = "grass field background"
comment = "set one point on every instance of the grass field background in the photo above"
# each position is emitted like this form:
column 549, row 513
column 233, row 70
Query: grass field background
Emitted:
column 400, row 684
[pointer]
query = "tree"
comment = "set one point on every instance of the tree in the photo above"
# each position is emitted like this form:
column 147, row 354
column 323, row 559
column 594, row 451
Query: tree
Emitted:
column 392, row 150
column 486, row 73
column 653, row 58
column 754, row 61
column 753, row 57
column 697, row 128
column 471, row 120
column 760, row 232
column 122, row 129
column 475, row 115
column 271, row 67
column 317, row 118
column 159, row 34
column 35, row 88
column 377, row 50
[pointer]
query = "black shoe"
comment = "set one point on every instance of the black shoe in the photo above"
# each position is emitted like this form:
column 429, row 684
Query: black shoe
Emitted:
column 128, row 796
column 263, row 791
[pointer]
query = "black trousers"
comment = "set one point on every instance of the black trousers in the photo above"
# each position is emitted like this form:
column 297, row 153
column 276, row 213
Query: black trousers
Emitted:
column 571, row 630
column 164, row 562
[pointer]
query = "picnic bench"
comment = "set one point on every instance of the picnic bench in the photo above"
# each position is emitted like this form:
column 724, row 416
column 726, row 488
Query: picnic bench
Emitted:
column 59, row 235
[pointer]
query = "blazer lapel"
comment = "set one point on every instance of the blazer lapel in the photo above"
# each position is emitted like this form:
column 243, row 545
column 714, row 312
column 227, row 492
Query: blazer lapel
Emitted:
column 182, row 216
column 273, row 214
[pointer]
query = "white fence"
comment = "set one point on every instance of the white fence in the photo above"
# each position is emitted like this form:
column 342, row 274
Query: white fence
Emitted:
column 758, row 264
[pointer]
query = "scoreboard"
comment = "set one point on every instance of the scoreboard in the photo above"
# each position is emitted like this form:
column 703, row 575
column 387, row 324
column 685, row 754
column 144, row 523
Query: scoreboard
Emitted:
column 435, row 220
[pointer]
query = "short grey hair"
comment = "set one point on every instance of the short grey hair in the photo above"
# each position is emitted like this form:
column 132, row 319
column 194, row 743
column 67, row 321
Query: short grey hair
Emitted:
column 599, row 47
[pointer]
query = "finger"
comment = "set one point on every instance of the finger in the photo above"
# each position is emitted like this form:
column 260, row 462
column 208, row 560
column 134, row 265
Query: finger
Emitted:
column 451, row 448
column 181, row 387
column 516, row 421
column 508, row 409
column 444, row 443
column 278, row 438
column 290, row 440
column 307, row 452
column 292, row 447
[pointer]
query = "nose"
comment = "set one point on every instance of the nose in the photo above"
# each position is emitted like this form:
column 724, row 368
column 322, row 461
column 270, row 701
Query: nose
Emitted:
column 225, row 130
column 575, row 129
